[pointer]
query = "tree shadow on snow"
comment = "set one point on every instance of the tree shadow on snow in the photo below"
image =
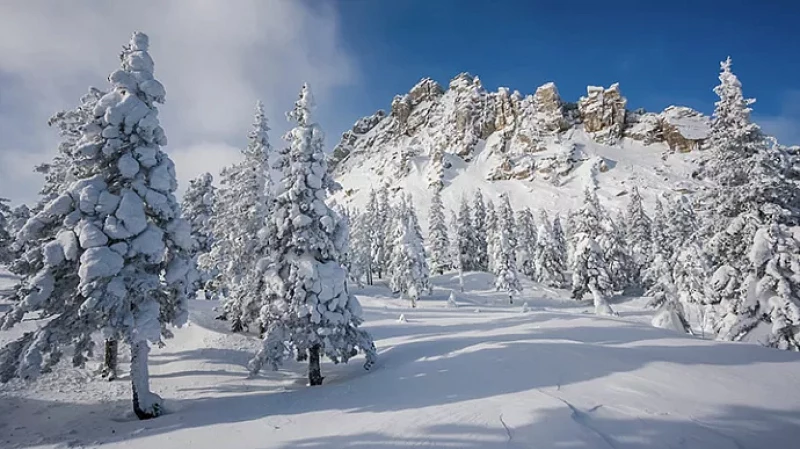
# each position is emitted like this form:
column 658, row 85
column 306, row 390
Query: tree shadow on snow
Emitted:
column 430, row 371
column 567, row 426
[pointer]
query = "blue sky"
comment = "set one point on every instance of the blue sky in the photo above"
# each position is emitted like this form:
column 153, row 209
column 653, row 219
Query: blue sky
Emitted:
column 661, row 53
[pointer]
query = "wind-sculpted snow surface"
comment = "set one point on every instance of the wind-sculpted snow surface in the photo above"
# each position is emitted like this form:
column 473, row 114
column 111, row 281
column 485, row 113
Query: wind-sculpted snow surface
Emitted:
column 447, row 378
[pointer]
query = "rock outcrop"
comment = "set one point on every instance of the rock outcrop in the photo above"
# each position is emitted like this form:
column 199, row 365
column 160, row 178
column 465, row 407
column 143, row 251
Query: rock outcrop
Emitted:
column 684, row 129
column 602, row 112
column 520, row 136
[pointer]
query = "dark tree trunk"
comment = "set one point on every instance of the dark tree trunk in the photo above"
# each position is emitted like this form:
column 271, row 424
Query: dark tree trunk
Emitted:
column 110, row 359
column 314, row 370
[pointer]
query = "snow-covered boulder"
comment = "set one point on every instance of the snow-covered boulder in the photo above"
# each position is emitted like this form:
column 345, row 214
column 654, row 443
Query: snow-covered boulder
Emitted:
column 684, row 129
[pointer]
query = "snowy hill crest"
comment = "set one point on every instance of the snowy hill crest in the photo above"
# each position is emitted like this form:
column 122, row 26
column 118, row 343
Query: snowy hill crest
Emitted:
column 433, row 136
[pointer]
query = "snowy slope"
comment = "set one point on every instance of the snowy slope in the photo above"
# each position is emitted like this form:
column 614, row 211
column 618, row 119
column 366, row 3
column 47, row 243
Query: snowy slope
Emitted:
column 652, row 168
column 483, row 375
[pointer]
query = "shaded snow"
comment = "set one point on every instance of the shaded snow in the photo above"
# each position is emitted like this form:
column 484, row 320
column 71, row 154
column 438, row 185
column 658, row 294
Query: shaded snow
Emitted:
column 447, row 378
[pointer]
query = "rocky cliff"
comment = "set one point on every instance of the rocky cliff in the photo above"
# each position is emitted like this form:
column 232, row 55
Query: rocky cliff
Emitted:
column 522, row 137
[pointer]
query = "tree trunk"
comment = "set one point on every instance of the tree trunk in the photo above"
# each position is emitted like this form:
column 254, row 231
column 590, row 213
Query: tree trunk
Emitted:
column 110, row 359
column 314, row 370
column 146, row 404
column 236, row 325
column 510, row 299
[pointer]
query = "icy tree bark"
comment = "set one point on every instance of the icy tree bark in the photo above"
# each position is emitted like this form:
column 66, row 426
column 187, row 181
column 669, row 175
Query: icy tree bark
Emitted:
column 146, row 404
column 314, row 370
column 110, row 359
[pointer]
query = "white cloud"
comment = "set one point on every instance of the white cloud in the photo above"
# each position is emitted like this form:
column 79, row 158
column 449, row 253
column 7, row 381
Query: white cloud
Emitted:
column 215, row 59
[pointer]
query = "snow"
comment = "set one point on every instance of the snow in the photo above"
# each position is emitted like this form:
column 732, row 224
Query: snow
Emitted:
column 447, row 378
column 98, row 263
column 689, row 123
column 629, row 163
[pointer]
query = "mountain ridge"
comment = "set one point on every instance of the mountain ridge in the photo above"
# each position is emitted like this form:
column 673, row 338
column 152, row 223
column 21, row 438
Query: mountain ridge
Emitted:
column 462, row 138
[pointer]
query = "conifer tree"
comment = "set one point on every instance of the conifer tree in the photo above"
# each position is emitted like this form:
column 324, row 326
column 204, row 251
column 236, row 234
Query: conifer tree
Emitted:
column 638, row 233
column 197, row 207
column 438, row 236
column 361, row 247
column 658, row 247
column 560, row 238
column 491, row 234
column 311, row 310
column 6, row 236
column 771, row 292
column 464, row 238
column 611, row 240
column 381, row 226
column 454, row 248
column 504, row 256
column 409, row 267
column 111, row 249
column 480, row 232
column 550, row 255
column 242, row 206
column 57, row 173
column 527, row 247
column 589, row 271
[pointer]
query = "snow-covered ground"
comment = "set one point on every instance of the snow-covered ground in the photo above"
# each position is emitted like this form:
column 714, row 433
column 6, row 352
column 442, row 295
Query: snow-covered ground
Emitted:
column 484, row 375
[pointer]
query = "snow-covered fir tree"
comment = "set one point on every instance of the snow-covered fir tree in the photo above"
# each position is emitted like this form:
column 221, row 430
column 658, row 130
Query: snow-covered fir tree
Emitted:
column 504, row 251
column 480, row 233
column 550, row 254
column 527, row 248
column 618, row 262
column 638, row 233
column 677, row 269
column 409, row 273
column 455, row 253
column 382, row 224
column 57, row 173
column 658, row 246
column 6, row 233
column 560, row 238
column 439, row 241
column 658, row 279
column 19, row 216
column 197, row 206
column 361, row 247
column 311, row 311
column 465, row 238
column 242, row 205
column 752, row 188
column 770, row 292
column 112, row 251
column 491, row 234
column 589, row 271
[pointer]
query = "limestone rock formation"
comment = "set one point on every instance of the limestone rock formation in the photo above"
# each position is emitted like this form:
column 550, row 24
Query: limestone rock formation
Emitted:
column 520, row 137
column 602, row 112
